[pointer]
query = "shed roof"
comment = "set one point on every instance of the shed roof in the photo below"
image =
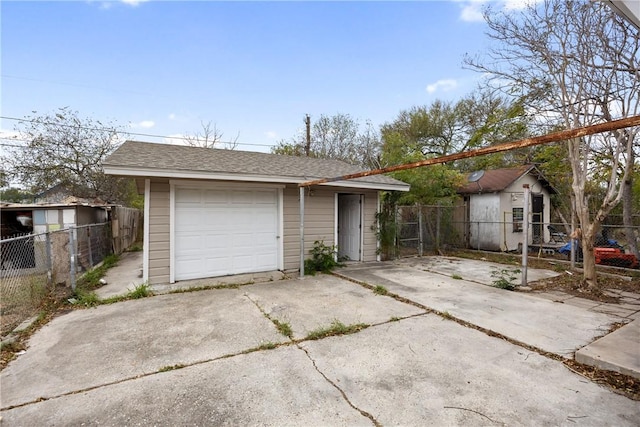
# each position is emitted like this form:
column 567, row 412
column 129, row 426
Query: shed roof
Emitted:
column 493, row 181
column 135, row 158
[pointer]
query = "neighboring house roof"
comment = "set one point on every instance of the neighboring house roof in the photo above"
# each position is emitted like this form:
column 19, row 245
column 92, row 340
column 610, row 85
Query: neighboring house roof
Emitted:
column 63, row 205
column 144, row 159
column 493, row 181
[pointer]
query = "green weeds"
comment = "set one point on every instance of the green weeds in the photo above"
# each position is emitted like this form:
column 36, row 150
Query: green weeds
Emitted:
column 336, row 328
column 505, row 278
column 380, row 290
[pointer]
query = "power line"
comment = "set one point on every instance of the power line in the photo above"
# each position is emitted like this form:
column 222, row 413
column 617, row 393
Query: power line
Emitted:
column 183, row 138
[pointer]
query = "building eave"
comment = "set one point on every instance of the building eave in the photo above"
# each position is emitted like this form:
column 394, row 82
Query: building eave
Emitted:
column 142, row 172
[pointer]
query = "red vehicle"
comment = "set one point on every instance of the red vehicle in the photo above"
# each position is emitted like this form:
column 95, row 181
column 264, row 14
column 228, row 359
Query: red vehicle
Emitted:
column 615, row 257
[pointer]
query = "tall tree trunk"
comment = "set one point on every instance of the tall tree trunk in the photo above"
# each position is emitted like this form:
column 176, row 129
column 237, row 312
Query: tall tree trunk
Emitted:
column 627, row 210
column 589, row 257
column 588, row 228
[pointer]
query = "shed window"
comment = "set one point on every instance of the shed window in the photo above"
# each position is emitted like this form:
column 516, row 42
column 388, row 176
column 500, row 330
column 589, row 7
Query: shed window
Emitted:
column 518, row 215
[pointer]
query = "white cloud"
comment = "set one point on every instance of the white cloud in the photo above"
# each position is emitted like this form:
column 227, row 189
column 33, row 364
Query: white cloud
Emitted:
column 145, row 124
column 133, row 3
column 472, row 11
column 518, row 4
column 444, row 85
column 271, row 134
column 172, row 116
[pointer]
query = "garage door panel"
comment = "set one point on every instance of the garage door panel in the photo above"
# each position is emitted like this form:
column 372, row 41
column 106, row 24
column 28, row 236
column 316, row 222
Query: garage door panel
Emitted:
column 190, row 217
column 188, row 196
column 264, row 198
column 213, row 242
column 215, row 197
column 220, row 232
column 186, row 242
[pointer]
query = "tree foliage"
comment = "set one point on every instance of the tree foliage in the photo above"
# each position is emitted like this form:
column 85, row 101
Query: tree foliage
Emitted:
column 441, row 128
column 64, row 148
column 480, row 119
column 574, row 64
column 337, row 137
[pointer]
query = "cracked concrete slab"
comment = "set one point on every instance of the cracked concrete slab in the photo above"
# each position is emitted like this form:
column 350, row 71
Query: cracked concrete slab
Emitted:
column 430, row 371
column 103, row 365
column 547, row 325
column 88, row 348
column 276, row 387
column 473, row 270
column 317, row 301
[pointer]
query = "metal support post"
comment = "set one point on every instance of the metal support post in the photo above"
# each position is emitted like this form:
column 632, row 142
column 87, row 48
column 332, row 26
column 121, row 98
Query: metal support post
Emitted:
column 302, row 232
column 525, row 233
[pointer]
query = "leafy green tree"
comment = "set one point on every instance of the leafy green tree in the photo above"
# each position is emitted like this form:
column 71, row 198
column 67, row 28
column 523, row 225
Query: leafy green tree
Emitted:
column 64, row 148
column 478, row 120
column 15, row 195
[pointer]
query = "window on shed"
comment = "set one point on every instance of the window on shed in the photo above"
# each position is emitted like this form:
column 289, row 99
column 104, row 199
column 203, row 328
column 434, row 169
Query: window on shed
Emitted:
column 518, row 216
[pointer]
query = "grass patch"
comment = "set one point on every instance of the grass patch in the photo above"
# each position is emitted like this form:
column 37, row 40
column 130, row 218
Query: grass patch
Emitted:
column 91, row 279
column 91, row 299
column 210, row 287
column 140, row 291
column 456, row 276
column 86, row 298
column 283, row 327
column 394, row 319
column 136, row 247
column 380, row 290
column 267, row 346
column 336, row 328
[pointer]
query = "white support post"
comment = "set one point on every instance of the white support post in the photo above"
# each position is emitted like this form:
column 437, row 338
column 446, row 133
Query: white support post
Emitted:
column 302, row 232
column 525, row 233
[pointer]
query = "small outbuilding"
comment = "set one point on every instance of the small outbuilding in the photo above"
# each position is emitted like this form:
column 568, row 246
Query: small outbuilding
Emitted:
column 212, row 212
column 494, row 201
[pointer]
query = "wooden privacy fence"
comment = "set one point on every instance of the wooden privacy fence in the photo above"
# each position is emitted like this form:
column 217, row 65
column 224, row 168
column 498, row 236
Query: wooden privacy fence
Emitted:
column 126, row 226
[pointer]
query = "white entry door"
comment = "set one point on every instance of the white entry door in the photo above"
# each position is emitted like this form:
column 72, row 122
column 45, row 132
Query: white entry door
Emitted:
column 349, row 226
column 219, row 232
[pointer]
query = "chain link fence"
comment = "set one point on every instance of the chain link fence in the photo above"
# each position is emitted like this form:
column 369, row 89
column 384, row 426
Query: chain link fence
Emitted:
column 35, row 265
column 436, row 229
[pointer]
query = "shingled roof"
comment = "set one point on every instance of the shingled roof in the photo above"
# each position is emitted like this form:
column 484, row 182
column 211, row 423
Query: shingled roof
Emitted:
column 493, row 181
column 135, row 158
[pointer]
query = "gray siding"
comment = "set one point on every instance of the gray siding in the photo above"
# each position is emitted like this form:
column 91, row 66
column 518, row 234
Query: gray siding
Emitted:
column 319, row 222
column 159, row 231
column 319, row 225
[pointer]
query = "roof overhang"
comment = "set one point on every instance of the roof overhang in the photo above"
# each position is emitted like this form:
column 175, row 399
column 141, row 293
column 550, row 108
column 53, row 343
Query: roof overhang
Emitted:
column 141, row 172
column 627, row 9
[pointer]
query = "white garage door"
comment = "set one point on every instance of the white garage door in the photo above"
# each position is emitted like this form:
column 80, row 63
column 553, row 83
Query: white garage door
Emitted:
column 225, row 231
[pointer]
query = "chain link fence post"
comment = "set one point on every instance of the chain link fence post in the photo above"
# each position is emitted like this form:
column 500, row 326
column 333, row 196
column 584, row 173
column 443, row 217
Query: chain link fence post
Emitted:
column 72, row 257
column 49, row 259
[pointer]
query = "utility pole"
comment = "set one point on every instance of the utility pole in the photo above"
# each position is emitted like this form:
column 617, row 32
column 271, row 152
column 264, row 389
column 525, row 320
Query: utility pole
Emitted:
column 307, row 121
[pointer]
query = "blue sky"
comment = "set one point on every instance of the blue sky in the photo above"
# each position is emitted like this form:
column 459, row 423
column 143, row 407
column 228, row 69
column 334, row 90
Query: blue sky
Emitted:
column 252, row 68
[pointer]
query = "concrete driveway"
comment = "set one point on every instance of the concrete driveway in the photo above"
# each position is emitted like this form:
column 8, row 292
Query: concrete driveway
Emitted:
column 216, row 357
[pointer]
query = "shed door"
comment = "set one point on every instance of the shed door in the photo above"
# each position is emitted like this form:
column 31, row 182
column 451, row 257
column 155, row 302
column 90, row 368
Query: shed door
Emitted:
column 349, row 226
column 222, row 231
